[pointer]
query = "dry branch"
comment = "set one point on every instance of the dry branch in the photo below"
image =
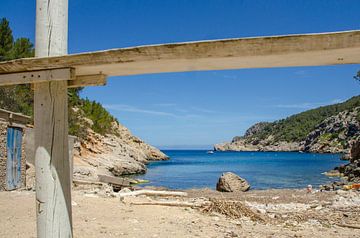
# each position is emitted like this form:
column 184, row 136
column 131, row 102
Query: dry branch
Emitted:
column 232, row 209
column 348, row 225
column 153, row 193
column 168, row 203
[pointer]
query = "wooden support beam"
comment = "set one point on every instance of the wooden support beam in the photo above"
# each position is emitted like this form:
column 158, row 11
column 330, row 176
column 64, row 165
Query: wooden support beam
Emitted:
column 254, row 52
column 82, row 81
column 88, row 80
column 52, row 165
column 39, row 76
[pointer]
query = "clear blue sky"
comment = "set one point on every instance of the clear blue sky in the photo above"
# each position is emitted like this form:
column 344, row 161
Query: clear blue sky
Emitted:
column 199, row 109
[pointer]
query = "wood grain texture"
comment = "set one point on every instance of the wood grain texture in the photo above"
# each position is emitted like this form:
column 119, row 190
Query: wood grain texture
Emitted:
column 53, row 187
column 52, row 165
column 88, row 80
column 257, row 52
column 37, row 76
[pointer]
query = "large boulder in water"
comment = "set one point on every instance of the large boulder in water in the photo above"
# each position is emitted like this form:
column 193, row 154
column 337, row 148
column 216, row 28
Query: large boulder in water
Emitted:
column 230, row 182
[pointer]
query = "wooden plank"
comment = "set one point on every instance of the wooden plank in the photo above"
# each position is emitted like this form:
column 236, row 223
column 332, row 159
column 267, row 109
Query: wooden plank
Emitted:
column 13, row 117
column 37, row 76
column 121, row 182
column 154, row 193
column 53, row 186
column 87, row 182
column 256, row 52
column 88, row 80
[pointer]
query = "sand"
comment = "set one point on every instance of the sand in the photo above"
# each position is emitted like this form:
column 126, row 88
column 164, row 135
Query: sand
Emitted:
column 288, row 213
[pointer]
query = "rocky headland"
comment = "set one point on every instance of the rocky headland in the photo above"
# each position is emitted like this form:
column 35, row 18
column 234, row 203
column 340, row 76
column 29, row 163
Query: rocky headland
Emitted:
column 330, row 129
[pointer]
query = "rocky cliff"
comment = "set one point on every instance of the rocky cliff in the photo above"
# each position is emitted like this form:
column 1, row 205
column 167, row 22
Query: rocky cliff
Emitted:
column 116, row 154
column 334, row 133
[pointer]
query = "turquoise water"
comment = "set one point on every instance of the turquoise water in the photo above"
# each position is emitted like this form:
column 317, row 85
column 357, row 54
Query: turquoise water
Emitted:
column 197, row 169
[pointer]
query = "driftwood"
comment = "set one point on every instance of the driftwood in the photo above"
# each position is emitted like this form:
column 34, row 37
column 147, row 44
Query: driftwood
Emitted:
column 348, row 225
column 168, row 203
column 153, row 193
column 86, row 182
column 120, row 182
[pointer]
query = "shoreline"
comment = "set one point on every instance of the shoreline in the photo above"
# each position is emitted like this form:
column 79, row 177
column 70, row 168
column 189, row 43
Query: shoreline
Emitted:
column 277, row 213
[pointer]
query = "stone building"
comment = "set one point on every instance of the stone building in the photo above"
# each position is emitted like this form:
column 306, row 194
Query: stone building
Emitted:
column 12, row 150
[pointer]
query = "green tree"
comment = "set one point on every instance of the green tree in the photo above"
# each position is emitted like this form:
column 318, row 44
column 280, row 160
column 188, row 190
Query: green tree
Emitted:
column 17, row 98
column 22, row 48
column 6, row 39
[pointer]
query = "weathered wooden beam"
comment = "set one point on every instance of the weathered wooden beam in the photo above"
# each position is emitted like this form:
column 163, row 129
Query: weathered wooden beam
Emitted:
column 88, row 80
column 120, row 182
column 39, row 76
column 255, row 52
column 14, row 117
column 52, row 165
column 84, row 80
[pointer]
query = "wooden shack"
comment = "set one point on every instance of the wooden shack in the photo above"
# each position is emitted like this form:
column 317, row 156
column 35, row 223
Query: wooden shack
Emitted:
column 12, row 150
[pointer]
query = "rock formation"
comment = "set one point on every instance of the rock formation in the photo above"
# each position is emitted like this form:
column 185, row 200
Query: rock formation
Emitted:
column 332, row 135
column 351, row 171
column 117, row 154
column 230, row 182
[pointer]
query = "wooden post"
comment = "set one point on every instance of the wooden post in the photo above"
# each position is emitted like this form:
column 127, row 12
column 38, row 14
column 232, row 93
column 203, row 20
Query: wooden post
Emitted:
column 53, row 188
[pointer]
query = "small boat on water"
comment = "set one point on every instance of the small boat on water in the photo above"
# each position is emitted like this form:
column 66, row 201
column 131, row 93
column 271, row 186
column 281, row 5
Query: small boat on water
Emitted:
column 210, row 152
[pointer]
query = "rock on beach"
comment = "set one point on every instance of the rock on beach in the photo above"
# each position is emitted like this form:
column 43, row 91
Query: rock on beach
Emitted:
column 230, row 182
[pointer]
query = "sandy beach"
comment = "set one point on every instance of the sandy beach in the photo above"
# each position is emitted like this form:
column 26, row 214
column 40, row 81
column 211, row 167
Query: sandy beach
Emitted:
column 285, row 213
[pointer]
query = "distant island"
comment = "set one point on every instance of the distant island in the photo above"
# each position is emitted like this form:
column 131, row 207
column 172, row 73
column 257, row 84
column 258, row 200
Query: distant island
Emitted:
column 327, row 129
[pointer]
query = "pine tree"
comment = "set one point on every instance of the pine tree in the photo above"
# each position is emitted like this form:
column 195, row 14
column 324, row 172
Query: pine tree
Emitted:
column 6, row 39
column 22, row 48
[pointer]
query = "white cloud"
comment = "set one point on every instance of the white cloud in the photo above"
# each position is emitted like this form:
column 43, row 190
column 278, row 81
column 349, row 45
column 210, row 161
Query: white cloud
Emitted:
column 128, row 108
column 309, row 105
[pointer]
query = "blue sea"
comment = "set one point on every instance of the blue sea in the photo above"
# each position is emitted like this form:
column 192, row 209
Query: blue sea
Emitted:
column 196, row 169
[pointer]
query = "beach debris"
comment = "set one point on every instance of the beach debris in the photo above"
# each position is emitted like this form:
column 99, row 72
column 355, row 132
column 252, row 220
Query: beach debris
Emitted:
column 168, row 203
column 348, row 225
column 348, row 199
column 355, row 186
column 309, row 188
column 116, row 182
column 153, row 193
column 333, row 186
column 232, row 209
column 230, row 182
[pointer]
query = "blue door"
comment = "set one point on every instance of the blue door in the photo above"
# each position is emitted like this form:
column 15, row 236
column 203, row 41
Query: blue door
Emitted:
column 13, row 148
